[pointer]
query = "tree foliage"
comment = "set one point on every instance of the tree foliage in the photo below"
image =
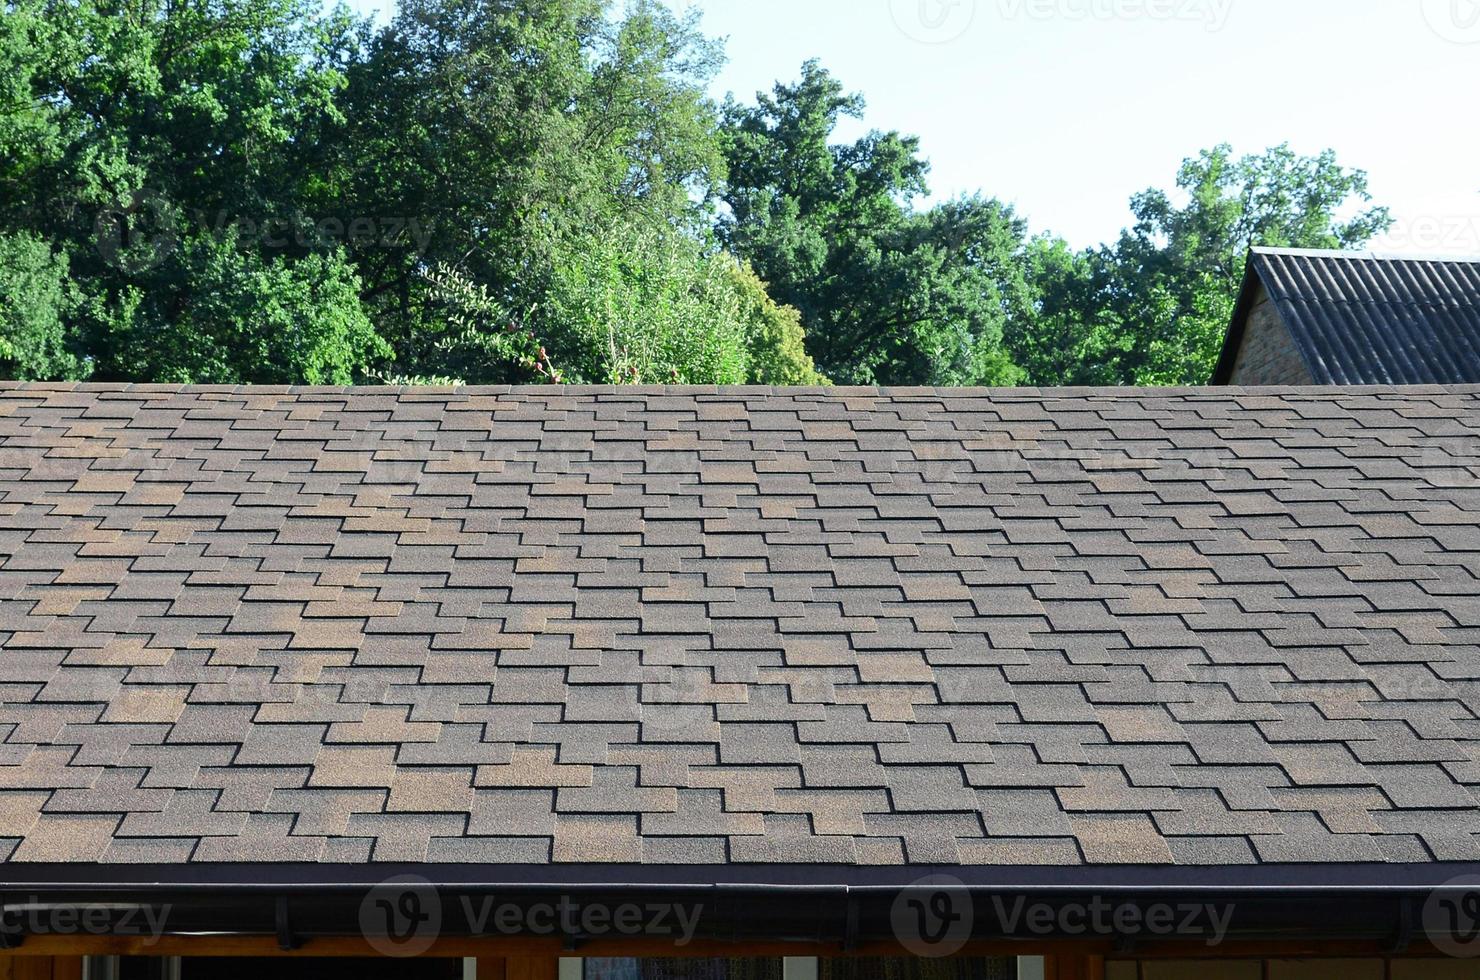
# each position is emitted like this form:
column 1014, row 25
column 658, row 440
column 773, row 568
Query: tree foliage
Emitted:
column 636, row 306
column 251, row 318
column 35, row 299
column 775, row 339
column 504, row 191
column 133, row 130
column 256, row 190
column 631, row 306
column 1153, row 309
column 513, row 131
column 887, row 294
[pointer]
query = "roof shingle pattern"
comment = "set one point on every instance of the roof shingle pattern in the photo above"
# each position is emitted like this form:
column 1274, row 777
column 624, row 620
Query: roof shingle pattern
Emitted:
column 688, row 626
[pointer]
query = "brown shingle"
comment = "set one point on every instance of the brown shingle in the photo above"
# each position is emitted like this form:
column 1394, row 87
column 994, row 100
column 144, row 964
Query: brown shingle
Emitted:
column 690, row 626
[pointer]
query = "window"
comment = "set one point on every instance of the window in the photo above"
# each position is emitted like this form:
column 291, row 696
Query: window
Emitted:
column 318, row 968
column 626, row 968
column 917, row 969
column 849, row 968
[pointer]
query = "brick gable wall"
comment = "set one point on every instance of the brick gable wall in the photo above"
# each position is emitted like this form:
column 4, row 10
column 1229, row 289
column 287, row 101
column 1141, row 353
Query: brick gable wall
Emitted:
column 1268, row 355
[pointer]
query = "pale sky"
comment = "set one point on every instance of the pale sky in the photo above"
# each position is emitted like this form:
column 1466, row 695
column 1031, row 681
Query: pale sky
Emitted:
column 1067, row 107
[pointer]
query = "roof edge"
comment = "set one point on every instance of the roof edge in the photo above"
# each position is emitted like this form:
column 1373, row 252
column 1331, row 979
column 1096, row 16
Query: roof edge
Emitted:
column 429, row 394
column 765, row 878
column 1365, row 255
column 1238, row 327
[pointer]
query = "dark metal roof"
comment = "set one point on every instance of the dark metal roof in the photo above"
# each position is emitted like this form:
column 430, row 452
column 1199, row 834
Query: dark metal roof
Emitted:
column 1359, row 318
column 673, row 627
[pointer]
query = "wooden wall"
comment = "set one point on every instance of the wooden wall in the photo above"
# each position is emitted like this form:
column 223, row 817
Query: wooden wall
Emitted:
column 40, row 967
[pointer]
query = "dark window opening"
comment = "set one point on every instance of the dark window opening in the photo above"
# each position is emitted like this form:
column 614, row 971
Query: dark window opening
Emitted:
column 903, row 968
column 736, row 968
column 317, row 968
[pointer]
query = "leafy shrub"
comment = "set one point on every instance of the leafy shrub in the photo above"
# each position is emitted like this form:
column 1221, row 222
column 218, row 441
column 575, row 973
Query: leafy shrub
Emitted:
column 34, row 298
column 235, row 317
column 777, row 342
column 642, row 307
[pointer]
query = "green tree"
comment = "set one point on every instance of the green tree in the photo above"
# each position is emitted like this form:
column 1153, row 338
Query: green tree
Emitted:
column 629, row 307
column 1062, row 336
column 139, row 135
column 248, row 319
column 637, row 306
column 888, row 294
column 35, row 298
column 1154, row 308
column 1177, row 270
column 480, row 337
column 509, row 130
column 255, row 190
column 499, row 190
column 775, row 340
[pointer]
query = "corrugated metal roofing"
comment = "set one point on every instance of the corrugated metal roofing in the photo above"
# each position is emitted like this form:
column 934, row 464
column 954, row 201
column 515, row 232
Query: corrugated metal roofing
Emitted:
column 1364, row 318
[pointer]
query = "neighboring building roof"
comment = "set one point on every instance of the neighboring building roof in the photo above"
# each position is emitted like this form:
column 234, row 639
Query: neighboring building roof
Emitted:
column 695, row 626
column 1360, row 318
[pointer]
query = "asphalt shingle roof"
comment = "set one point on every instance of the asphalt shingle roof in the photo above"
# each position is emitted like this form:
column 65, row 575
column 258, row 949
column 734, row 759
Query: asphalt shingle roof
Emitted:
column 1359, row 318
column 690, row 626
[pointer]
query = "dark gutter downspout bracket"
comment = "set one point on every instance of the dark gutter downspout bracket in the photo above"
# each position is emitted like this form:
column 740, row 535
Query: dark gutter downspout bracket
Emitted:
column 850, row 920
column 285, row 938
column 1404, row 938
